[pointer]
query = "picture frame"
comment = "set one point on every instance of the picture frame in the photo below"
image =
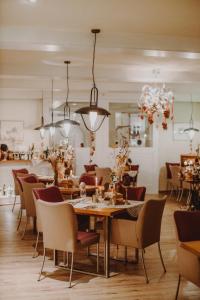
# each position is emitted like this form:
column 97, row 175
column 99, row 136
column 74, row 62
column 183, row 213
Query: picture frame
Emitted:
column 12, row 131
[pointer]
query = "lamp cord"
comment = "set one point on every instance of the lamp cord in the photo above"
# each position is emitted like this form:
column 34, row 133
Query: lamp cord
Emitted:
column 52, row 102
column 93, row 61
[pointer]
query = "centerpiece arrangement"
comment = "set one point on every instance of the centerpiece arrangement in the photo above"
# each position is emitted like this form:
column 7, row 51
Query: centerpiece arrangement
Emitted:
column 62, row 161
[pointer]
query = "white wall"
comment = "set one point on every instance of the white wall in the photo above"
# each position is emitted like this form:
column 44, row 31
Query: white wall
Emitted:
column 28, row 111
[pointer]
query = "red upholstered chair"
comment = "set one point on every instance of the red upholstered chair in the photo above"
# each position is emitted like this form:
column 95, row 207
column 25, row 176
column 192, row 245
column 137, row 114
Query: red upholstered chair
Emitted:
column 29, row 178
column 90, row 180
column 49, row 194
column 14, row 173
column 187, row 227
column 90, row 168
column 132, row 193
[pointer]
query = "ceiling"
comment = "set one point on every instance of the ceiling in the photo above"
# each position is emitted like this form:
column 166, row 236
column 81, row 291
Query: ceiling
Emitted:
column 136, row 37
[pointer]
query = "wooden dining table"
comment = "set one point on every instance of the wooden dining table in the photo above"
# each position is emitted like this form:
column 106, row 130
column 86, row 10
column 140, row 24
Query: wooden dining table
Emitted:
column 107, row 213
column 192, row 246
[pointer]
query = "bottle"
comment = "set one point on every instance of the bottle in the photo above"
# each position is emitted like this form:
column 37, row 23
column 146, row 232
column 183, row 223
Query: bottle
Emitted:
column 4, row 190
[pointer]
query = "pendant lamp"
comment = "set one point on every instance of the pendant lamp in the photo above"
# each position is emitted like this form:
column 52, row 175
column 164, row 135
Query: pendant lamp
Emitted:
column 66, row 124
column 41, row 128
column 191, row 130
column 93, row 115
column 52, row 126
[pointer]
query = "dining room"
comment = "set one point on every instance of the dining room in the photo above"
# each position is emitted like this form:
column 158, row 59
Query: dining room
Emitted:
column 99, row 149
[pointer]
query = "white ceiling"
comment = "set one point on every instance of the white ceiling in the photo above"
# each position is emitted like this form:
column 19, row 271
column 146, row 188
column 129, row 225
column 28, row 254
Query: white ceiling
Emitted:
column 136, row 37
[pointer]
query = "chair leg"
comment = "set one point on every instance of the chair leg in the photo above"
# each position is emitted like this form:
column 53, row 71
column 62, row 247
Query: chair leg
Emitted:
column 97, row 257
column 144, row 267
column 161, row 258
column 125, row 255
column 136, row 256
column 181, row 195
column 71, row 270
column 14, row 203
column 178, row 286
column 42, row 265
column 20, row 218
column 25, row 228
column 36, row 245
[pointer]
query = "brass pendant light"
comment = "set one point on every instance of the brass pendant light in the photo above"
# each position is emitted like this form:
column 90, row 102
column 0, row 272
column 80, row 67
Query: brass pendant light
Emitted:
column 94, row 112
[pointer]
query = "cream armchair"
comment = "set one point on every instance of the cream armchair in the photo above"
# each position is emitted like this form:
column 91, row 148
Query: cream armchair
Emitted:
column 29, row 201
column 187, row 226
column 60, row 231
column 143, row 232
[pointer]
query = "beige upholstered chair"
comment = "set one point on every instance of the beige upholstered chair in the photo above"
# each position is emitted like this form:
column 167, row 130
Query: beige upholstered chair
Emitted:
column 22, row 203
column 29, row 201
column 143, row 232
column 60, row 231
column 187, row 227
column 175, row 181
column 103, row 173
column 14, row 173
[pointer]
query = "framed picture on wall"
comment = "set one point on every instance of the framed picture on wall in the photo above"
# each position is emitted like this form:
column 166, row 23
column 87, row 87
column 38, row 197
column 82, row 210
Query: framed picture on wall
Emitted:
column 12, row 131
column 178, row 131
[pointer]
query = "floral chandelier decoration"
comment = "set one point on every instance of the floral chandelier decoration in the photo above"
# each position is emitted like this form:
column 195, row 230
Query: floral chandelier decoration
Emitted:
column 156, row 101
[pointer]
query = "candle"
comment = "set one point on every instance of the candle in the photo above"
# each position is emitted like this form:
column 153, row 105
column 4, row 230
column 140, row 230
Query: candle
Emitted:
column 96, row 181
column 71, row 173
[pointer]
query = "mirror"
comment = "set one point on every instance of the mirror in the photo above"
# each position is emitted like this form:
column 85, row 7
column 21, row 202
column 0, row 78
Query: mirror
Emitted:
column 125, row 122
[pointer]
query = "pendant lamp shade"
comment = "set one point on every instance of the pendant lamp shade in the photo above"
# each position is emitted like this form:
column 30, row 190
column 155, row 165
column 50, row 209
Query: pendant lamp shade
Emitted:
column 93, row 116
column 66, row 124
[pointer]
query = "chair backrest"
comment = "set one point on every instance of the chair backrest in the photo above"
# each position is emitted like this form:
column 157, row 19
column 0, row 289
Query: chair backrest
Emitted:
column 175, row 170
column 148, row 224
column 168, row 164
column 59, row 225
column 29, row 178
column 49, row 194
column 28, row 197
column 14, row 173
column 20, row 189
column 90, row 179
column 133, row 193
column 134, row 167
column 104, row 173
column 136, row 193
column 187, row 225
column 90, row 168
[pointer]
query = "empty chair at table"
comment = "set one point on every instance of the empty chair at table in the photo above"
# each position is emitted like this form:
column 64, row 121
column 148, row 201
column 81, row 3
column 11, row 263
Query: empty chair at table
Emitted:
column 60, row 231
column 143, row 232
column 31, row 178
column 16, row 188
column 175, row 180
column 188, row 230
column 50, row 194
column 103, row 175
column 28, row 184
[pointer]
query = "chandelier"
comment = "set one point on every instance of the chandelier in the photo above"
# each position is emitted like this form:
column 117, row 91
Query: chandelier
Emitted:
column 96, row 115
column 155, row 101
column 66, row 123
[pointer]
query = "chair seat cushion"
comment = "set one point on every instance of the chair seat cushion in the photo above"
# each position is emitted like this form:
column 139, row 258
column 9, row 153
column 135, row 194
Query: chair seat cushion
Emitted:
column 87, row 238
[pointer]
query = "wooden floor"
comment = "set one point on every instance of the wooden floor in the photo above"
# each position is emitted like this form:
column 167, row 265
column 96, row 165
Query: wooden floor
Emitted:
column 19, row 271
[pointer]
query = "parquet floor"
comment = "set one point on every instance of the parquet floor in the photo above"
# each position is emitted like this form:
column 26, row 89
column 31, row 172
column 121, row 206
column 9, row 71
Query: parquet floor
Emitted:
column 19, row 271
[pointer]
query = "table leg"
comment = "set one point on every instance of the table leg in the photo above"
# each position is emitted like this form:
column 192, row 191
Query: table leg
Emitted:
column 107, row 247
